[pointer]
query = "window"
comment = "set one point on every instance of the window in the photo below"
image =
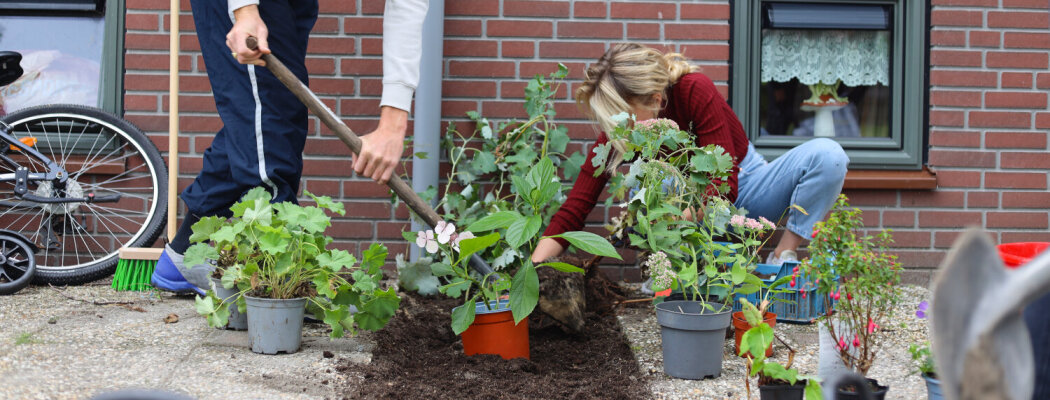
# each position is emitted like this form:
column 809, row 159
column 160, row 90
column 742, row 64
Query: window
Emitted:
column 72, row 52
column 853, row 71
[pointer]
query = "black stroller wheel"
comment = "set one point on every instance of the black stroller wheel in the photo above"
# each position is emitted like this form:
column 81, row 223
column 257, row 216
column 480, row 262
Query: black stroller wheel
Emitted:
column 17, row 264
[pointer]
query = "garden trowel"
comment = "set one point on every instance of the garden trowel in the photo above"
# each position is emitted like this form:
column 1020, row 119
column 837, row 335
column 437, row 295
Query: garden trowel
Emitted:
column 980, row 340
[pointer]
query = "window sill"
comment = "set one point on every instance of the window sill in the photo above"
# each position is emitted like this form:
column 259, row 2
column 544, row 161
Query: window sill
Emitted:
column 872, row 179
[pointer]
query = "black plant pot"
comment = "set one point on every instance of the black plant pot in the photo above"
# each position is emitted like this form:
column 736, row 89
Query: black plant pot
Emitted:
column 878, row 392
column 783, row 392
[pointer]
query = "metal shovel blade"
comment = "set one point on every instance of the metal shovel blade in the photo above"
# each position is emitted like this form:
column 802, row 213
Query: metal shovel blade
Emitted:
column 980, row 341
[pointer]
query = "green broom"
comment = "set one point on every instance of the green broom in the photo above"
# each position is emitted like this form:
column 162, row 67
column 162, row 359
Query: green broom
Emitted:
column 136, row 265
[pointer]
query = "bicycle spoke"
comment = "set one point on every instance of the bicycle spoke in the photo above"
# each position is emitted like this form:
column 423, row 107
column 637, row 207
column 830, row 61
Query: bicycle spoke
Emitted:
column 92, row 158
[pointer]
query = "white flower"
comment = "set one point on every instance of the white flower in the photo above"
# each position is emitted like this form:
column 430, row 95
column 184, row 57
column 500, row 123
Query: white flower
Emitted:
column 461, row 237
column 444, row 230
column 426, row 241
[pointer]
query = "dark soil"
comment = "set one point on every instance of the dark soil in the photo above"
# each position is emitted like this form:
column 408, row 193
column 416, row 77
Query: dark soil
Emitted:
column 418, row 356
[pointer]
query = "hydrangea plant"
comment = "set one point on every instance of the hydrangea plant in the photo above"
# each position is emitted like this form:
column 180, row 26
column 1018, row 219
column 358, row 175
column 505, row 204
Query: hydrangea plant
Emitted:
column 280, row 251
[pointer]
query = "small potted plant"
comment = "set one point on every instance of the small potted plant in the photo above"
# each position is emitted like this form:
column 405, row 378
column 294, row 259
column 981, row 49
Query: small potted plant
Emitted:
column 854, row 271
column 923, row 357
column 276, row 259
column 775, row 381
column 492, row 319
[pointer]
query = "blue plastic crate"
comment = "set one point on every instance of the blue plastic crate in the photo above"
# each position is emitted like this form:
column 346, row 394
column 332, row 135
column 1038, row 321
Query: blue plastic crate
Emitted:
column 790, row 306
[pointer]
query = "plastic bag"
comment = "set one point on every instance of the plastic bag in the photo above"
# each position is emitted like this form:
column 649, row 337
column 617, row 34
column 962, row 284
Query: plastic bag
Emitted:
column 52, row 77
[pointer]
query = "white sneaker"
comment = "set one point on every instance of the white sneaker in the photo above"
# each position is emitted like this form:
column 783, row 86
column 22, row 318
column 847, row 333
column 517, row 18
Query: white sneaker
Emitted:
column 647, row 287
column 785, row 256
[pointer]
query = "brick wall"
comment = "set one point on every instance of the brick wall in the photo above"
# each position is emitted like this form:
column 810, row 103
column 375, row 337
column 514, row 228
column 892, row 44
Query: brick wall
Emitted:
column 988, row 115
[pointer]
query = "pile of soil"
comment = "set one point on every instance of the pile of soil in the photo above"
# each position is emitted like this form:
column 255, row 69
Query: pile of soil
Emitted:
column 418, row 356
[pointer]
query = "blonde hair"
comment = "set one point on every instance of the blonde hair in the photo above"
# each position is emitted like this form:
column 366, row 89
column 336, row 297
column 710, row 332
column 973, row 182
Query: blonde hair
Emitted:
column 627, row 74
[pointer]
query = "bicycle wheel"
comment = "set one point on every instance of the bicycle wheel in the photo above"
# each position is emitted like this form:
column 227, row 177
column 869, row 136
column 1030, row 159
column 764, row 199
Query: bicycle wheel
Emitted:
column 103, row 155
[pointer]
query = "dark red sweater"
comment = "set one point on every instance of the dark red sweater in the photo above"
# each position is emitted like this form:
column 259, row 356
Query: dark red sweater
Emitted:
column 692, row 102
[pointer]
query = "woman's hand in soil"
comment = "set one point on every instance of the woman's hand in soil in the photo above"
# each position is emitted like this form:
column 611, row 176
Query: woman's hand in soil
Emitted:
column 545, row 249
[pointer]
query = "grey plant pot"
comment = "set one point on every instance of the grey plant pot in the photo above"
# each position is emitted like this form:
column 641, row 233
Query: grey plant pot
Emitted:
column 933, row 388
column 275, row 325
column 238, row 321
column 693, row 339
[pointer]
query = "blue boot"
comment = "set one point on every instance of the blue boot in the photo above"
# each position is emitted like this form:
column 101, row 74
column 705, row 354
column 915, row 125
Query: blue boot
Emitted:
column 171, row 274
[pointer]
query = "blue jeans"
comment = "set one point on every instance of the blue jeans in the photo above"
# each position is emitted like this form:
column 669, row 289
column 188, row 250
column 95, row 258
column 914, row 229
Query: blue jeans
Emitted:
column 809, row 175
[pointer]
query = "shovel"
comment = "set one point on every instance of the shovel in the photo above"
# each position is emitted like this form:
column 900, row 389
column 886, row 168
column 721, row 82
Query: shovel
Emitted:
column 980, row 340
column 400, row 188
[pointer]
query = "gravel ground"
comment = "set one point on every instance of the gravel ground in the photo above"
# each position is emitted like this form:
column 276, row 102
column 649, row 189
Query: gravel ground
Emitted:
column 52, row 347
column 893, row 365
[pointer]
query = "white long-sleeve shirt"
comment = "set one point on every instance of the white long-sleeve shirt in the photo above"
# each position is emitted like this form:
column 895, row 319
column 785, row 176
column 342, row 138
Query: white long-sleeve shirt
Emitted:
column 402, row 48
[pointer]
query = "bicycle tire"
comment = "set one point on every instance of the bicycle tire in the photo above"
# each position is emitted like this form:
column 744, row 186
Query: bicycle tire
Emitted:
column 133, row 147
column 11, row 248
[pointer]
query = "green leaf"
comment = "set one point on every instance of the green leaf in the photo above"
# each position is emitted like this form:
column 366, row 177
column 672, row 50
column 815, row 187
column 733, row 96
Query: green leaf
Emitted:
column 542, row 173
column 261, row 213
column 522, row 230
column 738, row 274
column 315, row 220
column 203, row 229
column 274, row 242
column 813, row 390
column 291, row 214
column 473, row 245
column 563, row 267
column 230, row 276
column 462, row 317
column 441, row 269
column 323, row 284
column 571, row 166
column 456, row 288
column 334, row 317
column 375, row 313
column 524, row 292
column 590, row 243
column 326, row 202
column 756, row 340
column 496, row 220
column 336, row 259
column 374, row 258
column 484, row 162
column 199, row 254
column 227, row 234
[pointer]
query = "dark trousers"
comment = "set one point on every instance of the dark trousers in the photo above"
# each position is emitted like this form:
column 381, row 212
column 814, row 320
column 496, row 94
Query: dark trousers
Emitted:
column 264, row 125
column 1037, row 316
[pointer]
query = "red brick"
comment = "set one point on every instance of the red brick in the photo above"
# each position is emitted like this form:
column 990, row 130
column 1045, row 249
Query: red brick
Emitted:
column 364, row 189
column 1013, row 59
column 949, row 219
column 1026, row 40
column 519, row 28
column 944, row 240
column 141, row 22
column 149, row 5
column 320, row 66
column 984, row 38
column 714, row 52
column 1025, row 160
column 956, row 18
column 956, row 58
column 460, row 27
column 350, row 229
column 1018, row 19
column 363, row 25
column 525, row 49
column 597, row 30
column 1000, row 119
column 947, row 118
column 955, row 98
column 529, row 69
column 902, row 219
column 982, row 199
column 1026, row 4
column 965, row 3
column 939, row 37
column 472, row 7
column 563, row 49
column 326, row 147
column 336, row 86
column 1004, row 140
column 936, row 198
column 191, row 103
column 911, row 239
column 471, row 48
column 696, row 31
column 457, row 88
column 1030, row 220
column 718, row 12
column 490, row 69
column 952, row 178
column 962, row 159
column 589, row 9
column 955, row 138
column 1016, row 80
column 1039, row 200
column 963, row 78
column 390, row 230
column 326, row 25
column 520, row 8
column 337, row 7
column 1042, row 81
column 157, row 62
column 331, row 45
column 503, row 109
column 1015, row 100
column 323, row 187
column 1014, row 237
column 1015, row 180
column 146, row 41
column 140, row 102
column 643, row 31
column 632, row 10
column 1042, row 120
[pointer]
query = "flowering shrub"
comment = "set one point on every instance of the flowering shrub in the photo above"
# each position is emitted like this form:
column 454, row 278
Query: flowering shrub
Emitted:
column 674, row 202
column 853, row 269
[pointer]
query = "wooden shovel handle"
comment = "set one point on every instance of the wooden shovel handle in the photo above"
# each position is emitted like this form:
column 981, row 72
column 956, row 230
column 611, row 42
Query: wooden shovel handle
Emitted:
column 327, row 117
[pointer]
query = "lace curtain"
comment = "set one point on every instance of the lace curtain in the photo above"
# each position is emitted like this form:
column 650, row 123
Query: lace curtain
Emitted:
column 858, row 58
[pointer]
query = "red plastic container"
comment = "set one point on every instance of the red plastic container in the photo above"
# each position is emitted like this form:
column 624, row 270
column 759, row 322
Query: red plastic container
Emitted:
column 1017, row 254
column 494, row 332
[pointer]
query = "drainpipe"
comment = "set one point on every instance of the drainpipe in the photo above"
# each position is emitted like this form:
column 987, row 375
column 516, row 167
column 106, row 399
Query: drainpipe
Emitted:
column 427, row 130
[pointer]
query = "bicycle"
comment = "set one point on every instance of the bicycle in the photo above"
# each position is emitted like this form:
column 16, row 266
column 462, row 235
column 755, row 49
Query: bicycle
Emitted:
column 76, row 184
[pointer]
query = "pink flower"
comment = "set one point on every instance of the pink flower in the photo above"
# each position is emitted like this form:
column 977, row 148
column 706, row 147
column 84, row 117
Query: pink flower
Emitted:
column 425, row 239
column 752, row 223
column 769, row 224
column 792, row 282
column 444, row 230
column 814, row 235
column 835, row 295
column 872, row 326
column 660, row 123
column 738, row 220
column 842, row 343
column 856, row 341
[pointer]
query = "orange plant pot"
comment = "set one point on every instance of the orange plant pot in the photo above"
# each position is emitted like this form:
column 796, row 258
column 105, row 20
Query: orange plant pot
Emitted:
column 494, row 332
column 740, row 326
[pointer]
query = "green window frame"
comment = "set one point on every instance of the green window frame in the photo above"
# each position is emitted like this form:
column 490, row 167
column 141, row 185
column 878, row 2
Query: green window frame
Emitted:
column 905, row 148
